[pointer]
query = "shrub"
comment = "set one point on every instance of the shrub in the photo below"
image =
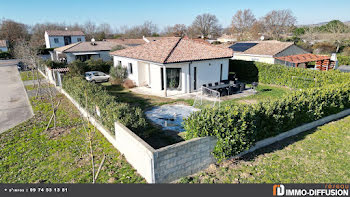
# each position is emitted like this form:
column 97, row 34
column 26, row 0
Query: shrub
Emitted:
column 90, row 95
column 324, row 48
column 77, row 68
column 98, row 65
column 238, row 127
column 54, row 64
column 118, row 74
column 344, row 60
column 245, row 71
column 5, row 55
column 128, row 84
column 346, row 51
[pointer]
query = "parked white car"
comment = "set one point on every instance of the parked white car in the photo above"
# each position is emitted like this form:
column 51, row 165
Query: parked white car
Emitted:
column 96, row 76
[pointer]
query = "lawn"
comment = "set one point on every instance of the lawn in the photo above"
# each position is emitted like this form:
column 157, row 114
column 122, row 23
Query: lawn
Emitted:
column 321, row 155
column 28, row 75
column 29, row 154
column 153, row 134
column 264, row 92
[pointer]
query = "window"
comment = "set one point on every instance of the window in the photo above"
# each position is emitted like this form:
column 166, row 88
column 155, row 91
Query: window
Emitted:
column 130, row 68
column 79, row 39
column 119, row 63
column 55, row 40
column 220, row 72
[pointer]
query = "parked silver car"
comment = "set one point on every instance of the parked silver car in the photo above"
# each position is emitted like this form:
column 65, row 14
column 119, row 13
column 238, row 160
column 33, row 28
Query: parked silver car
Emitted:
column 96, row 76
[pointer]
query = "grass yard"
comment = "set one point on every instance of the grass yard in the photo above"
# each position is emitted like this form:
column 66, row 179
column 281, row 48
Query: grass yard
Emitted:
column 29, row 154
column 265, row 92
column 317, row 156
column 153, row 135
column 28, row 75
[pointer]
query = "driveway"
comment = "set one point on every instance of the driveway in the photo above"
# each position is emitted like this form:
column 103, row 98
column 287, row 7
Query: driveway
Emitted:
column 14, row 104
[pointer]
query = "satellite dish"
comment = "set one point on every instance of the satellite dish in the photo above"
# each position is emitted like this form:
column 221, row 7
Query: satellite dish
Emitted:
column 93, row 40
column 262, row 38
column 66, row 29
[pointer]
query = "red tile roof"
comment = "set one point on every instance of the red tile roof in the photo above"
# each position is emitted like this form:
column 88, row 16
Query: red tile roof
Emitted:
column 269, row 47
column 174, row 49
column 87, row 46
column 64, row 33
column 302, row 58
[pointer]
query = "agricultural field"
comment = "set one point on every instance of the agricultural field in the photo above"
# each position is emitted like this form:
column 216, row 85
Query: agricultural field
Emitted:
column 317, row 156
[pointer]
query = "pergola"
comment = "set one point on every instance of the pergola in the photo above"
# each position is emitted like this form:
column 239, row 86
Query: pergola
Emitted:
column 322, row 62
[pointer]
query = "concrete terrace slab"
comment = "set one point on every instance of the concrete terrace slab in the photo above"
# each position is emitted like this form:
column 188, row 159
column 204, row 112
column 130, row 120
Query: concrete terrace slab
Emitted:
column 14, row 104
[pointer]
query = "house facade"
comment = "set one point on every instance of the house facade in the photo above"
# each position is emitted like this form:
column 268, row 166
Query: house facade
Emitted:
column 174, row 64
column 84, row 51
column 264, row 51
column 3, row 46
column 54, row 38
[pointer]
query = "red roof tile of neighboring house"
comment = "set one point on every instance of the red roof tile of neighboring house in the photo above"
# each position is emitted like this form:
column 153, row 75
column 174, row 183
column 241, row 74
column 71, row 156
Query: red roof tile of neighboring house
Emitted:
column 267, row 47
column 87, row 46
column 64, row 33
column 3, row 43
column 174, row 49
column 302, row 58
column 128, row 42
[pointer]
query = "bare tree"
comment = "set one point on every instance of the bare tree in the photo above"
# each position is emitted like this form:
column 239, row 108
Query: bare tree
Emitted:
column 13, row 31
column 337, row 30
column 146, row 29
column 178, row 30
column 278, row 22
column 206, row 25
column 242, row 22
column 90, row 30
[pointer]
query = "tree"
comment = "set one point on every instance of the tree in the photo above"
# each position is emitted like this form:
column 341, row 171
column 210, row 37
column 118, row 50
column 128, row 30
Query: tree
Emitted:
column 242, row 22
column 13, row 31
column 206, row 25
column 278, row 22
column 337, row 29
column 90, row 30
column 146, row 29
column 178, row 30
column 38, row 30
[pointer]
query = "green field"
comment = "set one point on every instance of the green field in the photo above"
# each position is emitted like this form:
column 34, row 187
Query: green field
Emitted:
column 317, row 156
column 29, row 154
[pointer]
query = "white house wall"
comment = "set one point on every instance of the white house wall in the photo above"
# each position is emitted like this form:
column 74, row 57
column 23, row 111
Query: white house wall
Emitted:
column 50, row 40
column 104, row 55
column 269, row 60
column 3, row 49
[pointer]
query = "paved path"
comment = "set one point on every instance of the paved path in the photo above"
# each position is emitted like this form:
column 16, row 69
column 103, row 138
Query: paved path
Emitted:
column 14, row 104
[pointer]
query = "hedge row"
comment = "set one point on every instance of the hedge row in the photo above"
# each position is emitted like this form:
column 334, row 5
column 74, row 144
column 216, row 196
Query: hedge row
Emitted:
column 343, row 60
column 90, row 95
column 238, row 127
column 286, row 76
column 5, row 55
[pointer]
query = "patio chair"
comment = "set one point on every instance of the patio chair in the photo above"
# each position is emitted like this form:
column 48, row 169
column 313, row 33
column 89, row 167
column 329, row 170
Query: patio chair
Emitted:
column 204, row 85
column 216, row 83
column 210, row 84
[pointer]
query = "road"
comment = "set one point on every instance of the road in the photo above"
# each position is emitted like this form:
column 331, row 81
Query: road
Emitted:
column 14, row 104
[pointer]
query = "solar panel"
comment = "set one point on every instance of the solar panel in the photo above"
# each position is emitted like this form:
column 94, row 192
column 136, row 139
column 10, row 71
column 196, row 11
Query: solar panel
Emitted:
column 241, row 47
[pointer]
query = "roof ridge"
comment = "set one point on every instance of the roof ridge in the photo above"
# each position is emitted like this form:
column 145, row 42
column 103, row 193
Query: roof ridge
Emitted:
column 172, row 50
column 73, row 45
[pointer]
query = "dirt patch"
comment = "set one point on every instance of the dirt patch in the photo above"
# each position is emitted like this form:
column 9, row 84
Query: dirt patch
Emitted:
column 248, row 101
column 58, row 132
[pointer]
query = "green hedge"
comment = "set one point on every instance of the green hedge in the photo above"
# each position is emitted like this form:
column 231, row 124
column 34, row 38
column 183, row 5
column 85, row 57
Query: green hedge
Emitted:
column 78, row 67
column 343, row 60
column 53, row 64
column 283, row 75
column 111, row 111
column 5, row 55
column 238, row 127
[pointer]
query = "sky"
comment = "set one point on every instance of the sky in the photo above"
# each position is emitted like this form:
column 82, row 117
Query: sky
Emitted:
column 163, row 12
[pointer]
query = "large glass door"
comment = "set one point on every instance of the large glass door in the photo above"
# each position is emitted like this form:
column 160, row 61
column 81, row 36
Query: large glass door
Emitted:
column 173, row 78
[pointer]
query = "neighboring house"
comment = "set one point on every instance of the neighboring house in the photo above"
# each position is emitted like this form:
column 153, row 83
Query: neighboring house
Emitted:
column 178, row 64
column 264, row 51
column 227, row 38
column 84, row 51
column 55, row 38
column 3, row 46
column 132, row 42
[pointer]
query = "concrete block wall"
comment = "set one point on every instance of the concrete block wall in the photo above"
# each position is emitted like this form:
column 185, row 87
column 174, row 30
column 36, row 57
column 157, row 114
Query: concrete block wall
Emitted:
column 183, row 159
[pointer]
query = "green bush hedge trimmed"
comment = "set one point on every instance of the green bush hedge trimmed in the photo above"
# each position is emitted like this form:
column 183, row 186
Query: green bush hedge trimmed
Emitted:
column 238, row 127
column 5, row 55
column 282, row 75
column 343, row 60
column 90, row 95
column 79, row 68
